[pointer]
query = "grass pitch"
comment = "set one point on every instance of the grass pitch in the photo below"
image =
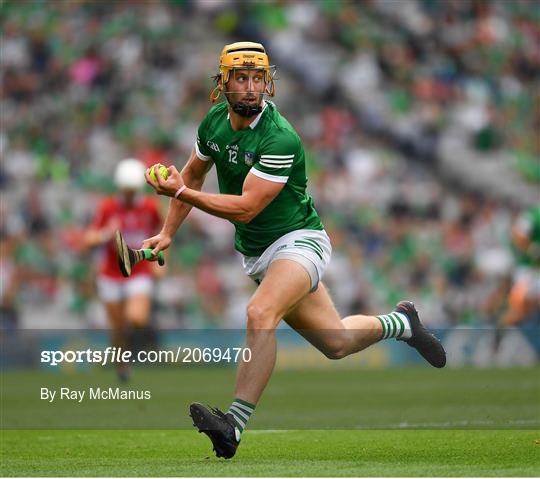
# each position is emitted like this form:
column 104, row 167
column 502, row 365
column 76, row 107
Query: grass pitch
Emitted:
column 265, row 453
column 399, row 422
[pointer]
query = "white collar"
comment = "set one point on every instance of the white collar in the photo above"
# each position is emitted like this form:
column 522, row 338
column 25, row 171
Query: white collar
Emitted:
column 253, row 124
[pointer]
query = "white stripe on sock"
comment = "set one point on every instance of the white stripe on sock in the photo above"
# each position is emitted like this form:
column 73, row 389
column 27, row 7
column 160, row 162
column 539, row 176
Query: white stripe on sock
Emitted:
column 238, row 411
column 387, row 323
column 243, row 407
column 238, row 420
column 407, row 333
column 392, row 326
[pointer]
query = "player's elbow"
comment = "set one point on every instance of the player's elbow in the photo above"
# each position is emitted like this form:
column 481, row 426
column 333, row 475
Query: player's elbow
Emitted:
column 244, row 218
column 248, row 207
column 246, row 215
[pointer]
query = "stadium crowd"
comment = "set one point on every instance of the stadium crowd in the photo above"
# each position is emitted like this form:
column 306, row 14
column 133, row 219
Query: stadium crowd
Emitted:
column 370, row 88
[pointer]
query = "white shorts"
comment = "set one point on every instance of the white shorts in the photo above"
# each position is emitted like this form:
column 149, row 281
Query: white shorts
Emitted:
column 309, row 248
column 115, row 290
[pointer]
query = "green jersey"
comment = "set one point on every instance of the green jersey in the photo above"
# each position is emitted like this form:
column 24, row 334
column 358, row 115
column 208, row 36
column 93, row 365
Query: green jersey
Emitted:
column 271, row 149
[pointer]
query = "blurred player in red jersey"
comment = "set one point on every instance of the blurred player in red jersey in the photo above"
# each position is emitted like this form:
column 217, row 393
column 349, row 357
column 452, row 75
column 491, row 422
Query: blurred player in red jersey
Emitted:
column 126, row 300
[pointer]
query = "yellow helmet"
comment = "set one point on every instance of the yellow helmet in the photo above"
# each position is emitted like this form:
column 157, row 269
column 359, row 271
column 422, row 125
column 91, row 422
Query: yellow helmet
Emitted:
column 244, row 55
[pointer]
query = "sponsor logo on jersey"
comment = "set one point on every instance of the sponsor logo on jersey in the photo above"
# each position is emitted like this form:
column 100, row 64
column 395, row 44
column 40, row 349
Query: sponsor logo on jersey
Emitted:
column 249, row 158
column 213, row 146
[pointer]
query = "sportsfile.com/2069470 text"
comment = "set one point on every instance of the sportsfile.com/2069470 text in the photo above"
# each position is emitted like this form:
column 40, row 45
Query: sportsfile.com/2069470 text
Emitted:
column 115, row 355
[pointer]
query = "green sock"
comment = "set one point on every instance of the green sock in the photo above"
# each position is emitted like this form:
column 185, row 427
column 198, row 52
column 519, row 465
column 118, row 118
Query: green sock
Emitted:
column 241, row 411
column 395, row 325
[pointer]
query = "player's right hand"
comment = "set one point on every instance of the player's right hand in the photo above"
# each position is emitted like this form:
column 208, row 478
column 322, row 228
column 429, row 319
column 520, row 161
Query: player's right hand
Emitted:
column 159, row 242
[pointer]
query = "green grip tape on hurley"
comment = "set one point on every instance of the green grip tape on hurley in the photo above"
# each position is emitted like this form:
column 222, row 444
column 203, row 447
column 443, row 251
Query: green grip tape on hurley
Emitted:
column 160, row 256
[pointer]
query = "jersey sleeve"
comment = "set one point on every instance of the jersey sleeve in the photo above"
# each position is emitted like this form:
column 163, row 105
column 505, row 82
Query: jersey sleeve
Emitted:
column 277, row 157
column 201, row 148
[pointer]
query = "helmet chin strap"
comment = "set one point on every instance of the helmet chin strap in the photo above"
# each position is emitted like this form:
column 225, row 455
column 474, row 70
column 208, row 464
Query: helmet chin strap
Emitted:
column 245, row 110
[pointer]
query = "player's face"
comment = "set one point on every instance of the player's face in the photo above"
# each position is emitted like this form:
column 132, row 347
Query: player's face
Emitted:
column 128, row 195
column 246, row 86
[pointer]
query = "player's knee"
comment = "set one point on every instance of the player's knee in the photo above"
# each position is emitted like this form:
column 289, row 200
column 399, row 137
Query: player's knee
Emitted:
column 260, row 316
column 335, row 353
column 336, row 347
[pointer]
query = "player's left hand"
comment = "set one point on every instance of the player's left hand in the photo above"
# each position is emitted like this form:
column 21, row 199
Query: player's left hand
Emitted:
column 166, row 187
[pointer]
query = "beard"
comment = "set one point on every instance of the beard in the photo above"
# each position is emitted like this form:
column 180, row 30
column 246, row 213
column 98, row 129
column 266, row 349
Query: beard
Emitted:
column 247, row 106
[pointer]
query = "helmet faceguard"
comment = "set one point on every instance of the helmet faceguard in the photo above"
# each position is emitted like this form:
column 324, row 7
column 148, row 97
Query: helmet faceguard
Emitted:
column 243, row 56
